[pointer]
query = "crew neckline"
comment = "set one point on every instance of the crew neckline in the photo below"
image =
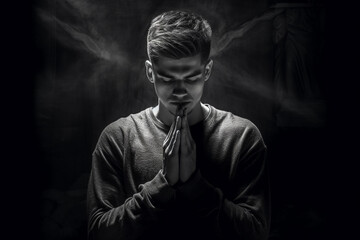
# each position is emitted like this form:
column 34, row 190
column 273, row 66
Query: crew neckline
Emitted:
column 163, row 126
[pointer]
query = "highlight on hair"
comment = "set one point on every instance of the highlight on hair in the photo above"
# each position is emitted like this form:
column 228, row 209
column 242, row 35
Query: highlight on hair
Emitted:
column 179, row 34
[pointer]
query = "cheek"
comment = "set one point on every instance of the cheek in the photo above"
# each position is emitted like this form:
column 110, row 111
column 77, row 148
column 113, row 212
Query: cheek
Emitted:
column 196, row 90
column 163, row 90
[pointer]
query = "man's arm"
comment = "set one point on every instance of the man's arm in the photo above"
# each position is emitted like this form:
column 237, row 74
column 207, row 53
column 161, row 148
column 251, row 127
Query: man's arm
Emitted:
column 111, row 216
column 243, row 215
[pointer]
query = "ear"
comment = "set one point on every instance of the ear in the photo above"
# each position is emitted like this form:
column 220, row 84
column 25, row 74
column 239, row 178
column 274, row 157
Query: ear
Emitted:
column 149, row 71
column 208, row 69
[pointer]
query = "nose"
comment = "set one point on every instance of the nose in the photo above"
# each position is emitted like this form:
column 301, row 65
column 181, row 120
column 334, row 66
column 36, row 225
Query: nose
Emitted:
column 180, row 89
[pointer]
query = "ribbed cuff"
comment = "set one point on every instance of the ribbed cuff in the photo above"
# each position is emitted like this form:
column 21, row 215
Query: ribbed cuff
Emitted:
column 158, row 191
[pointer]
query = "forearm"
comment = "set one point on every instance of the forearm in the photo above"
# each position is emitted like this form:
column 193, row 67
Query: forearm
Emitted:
column 227, row 219
column 133, row 217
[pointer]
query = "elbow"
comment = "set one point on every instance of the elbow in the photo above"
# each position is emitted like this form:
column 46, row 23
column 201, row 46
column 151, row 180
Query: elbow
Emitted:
column 101, row 232
column 260, row 229
column 262, row 232
column 256, row 228
column 109, row 225
column 100, row 229
column 94, row 227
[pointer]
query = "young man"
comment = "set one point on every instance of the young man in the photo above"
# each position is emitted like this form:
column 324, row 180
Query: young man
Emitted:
column 183, row 169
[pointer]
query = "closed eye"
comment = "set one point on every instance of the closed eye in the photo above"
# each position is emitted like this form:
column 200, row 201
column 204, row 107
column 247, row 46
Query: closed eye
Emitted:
column 165, row 79
column 194, row 78
column 190, row 78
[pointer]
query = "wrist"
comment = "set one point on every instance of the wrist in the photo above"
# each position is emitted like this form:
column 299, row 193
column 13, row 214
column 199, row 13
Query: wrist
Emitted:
column 160, row 192
column 167, row 179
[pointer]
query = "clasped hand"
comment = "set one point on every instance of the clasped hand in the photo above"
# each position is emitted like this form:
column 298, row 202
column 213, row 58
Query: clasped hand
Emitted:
column 179, row 151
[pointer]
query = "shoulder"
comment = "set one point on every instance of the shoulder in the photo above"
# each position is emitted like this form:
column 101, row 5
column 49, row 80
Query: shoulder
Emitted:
column 231, row 122
column 116, row 131
column 125, row 123
column 233, row 125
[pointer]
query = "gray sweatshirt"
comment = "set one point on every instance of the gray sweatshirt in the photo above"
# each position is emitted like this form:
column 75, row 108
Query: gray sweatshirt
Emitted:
column 226, row 198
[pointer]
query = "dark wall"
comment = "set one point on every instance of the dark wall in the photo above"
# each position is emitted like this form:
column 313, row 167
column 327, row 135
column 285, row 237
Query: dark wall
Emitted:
column 92, row 57
column 93, row 71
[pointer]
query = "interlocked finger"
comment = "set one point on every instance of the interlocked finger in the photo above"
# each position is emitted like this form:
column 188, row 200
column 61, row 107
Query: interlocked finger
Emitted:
column 171, row 132
column 172, row 138
column 171, row 143
column 172, row 128
column 176, row 143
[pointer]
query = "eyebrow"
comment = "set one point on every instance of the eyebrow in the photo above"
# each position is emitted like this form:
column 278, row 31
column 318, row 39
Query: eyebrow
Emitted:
column 193, row 74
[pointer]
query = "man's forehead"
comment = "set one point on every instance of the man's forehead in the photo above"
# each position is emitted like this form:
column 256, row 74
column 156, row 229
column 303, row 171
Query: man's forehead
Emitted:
column 178, row 65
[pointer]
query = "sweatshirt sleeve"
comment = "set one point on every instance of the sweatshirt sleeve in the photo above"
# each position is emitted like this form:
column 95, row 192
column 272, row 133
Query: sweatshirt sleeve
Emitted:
column 244, row 214
column 110, row 214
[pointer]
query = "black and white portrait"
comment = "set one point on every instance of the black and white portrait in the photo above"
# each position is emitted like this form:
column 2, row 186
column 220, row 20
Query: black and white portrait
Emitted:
column 177, row 120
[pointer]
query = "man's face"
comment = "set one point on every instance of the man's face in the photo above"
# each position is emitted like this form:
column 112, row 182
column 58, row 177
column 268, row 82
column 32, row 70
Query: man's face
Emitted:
column 179, row 82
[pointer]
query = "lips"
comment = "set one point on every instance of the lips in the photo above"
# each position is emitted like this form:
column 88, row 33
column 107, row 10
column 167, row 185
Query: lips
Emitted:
column 180, row 102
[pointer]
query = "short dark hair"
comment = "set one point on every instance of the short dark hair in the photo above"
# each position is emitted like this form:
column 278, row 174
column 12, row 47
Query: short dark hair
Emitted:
column 179, row 34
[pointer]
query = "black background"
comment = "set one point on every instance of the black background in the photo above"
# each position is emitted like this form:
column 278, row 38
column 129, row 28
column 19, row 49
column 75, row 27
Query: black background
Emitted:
column 308, row 203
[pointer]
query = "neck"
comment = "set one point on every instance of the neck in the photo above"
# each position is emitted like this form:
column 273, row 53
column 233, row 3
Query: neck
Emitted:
column 197, row 114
